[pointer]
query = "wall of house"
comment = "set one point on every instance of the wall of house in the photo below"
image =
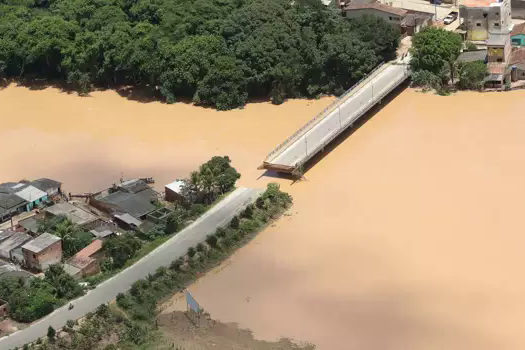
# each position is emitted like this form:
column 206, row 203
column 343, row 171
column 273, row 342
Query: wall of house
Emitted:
column 480, row 21
column 91, row 269
column 41, row 261
column 389, row 17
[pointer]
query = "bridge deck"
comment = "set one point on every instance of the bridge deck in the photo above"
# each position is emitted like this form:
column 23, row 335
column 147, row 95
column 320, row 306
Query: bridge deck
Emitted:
column 318, row 132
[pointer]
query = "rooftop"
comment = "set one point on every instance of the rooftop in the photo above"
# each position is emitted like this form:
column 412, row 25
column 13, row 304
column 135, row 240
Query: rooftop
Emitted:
column 377, row 6
column 31, row 193
column 30, row 224
column 480, row 3
column 128, row 219
column 13, row 242
column 133, row 186
column 9, row 201
column 45, row 184
column 91, row 249
column 517, row 58
column 137, row 204
column 40, row 243
column 74, row 214
column 497, row 39
column 518, row 29
column 471, row 56
column 6, row 234
column 102, row 233
column 496, row 68
column 175, row 186
column 83, row 258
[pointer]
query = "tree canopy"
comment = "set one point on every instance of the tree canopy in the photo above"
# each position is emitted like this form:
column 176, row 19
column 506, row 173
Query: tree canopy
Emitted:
column 215, row 52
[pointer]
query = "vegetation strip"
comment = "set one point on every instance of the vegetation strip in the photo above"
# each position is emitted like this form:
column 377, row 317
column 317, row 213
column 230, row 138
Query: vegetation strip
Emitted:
column 131, row 322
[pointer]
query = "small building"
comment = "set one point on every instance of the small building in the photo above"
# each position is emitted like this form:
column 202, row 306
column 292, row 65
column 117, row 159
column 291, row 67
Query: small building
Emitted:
column 17, row 240
column 414, row 22
column 86, row 262
column 359, row 8
column 32, row 195
column 173, row 191
column 482, row 17
column 134, row 197
column 517, row 36
column 103, row 231
column 472, row 56
column 517, row 64
column 9, row 270
column 5, row 234
column 51, row 187
column 10, row 205
column 42, row 251
column 30, row 224
column 127, row 221
column 4, row 310
column 73, row 213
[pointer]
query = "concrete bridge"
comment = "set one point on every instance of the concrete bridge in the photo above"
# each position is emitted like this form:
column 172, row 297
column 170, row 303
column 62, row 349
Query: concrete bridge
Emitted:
column 294, row 152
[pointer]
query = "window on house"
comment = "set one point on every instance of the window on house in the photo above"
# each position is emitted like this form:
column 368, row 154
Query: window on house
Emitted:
column 496, row 24
column 390, row 18
column 500, row 59
column 478, row 24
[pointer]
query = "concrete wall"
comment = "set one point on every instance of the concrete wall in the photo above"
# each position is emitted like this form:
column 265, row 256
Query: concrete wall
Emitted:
column 480, row 21
column 41, row 261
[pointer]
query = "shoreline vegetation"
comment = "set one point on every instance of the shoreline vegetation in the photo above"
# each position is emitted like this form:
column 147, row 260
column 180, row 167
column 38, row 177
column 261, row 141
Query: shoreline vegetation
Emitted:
column 218, row 53
column 34, row 298
column 132, row 322
column 435, row 66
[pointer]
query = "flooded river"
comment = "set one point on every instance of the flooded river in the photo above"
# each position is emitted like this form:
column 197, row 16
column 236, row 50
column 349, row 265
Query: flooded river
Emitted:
column 408, row 235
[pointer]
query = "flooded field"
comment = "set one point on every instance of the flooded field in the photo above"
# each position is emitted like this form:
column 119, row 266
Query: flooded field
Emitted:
column 408, row 235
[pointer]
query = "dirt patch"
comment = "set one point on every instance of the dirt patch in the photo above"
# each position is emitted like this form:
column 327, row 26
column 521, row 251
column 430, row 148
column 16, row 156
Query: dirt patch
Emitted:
column 204, row 333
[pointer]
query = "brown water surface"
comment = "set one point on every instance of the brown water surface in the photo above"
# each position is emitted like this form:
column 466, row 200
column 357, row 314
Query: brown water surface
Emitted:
column 408, row 235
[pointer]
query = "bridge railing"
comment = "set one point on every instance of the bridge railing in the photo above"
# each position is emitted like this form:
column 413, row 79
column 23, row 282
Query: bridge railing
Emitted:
column 325, row 111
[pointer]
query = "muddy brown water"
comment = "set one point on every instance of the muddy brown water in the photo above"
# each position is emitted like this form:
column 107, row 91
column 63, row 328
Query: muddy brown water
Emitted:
column 408, row 235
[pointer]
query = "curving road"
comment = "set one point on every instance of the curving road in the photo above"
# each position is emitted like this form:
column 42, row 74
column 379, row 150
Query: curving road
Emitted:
column 175, row 247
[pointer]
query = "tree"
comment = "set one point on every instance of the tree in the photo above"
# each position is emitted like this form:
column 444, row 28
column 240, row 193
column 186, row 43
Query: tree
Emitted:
column 51, row 333
column 120, row 249
column 64, row 286
column 434, row 49
column 472, row 75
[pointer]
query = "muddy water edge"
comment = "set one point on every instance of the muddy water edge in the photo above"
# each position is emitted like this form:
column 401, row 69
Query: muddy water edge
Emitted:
column 408, row 235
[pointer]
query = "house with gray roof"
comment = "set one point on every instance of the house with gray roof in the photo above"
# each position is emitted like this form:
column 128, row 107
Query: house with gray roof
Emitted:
column 51, row 187
column 15, row 241
column 43, row 251
column 73, row 213
column 10, row 205
column 133, row 197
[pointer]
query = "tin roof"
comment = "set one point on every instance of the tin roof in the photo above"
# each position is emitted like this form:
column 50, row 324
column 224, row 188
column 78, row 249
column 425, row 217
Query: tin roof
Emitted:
column 176, row 186
column 40, row 243
column 31, row 193
column 13, row 242
column 74, row 214
column 45, row 184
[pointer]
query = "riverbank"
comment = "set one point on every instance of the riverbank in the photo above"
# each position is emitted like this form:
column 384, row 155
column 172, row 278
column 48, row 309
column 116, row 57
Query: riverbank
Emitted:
column 134, row 321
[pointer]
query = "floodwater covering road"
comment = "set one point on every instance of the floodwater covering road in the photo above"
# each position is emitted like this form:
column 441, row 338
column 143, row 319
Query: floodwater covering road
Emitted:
column 408, row 235
column 174, row 248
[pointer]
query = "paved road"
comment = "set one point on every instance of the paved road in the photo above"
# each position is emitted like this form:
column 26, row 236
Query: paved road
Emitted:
column 177, row 246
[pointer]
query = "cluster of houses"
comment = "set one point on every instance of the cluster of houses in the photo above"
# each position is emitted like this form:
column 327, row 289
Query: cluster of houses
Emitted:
column 501, row 44
column 487, row 24
column 24, row 250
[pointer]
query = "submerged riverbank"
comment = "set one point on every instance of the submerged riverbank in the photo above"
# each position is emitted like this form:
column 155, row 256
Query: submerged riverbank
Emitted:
column 407, row 235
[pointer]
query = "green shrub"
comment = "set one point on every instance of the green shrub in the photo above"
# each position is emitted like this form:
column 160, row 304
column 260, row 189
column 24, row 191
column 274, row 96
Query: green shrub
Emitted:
column 191, row 252
column 234, row 223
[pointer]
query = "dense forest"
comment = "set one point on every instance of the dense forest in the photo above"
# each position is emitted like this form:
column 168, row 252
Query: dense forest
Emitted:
column 214, row 52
